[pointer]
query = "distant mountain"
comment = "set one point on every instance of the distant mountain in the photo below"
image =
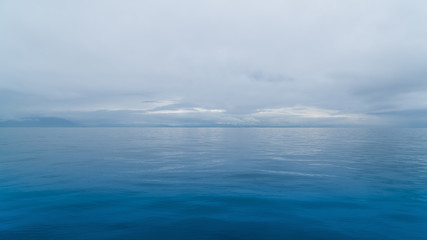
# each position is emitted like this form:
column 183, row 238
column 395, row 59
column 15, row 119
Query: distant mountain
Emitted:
column 39, row 122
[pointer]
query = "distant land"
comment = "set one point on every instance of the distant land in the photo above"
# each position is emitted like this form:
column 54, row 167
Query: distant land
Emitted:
column 39, row 122
column 62, row 122
column 391, row 119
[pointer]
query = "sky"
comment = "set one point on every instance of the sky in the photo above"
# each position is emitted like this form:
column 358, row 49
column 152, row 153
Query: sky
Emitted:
column 219, row 63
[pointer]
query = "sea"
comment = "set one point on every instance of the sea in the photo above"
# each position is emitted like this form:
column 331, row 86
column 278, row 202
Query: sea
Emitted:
column 213, row 183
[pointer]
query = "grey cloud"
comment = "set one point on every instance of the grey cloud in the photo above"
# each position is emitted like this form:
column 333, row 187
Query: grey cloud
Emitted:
column 355, row 57
column 261, row 76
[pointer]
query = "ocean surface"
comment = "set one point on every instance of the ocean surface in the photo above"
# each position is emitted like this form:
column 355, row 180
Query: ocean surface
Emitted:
column 213, row 183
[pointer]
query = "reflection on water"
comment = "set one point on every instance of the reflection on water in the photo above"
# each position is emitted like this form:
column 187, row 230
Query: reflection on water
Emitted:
column 213, row 183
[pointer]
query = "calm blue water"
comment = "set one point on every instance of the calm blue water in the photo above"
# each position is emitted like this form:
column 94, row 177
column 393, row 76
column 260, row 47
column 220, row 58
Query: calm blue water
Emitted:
column 213, row 183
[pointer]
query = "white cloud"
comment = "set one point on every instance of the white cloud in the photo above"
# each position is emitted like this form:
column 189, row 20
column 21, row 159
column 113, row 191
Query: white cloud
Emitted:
column 307, row 112
column 184, row 111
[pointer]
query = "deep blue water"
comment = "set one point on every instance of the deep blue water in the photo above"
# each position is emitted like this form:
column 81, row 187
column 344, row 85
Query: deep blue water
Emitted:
column 213, row 183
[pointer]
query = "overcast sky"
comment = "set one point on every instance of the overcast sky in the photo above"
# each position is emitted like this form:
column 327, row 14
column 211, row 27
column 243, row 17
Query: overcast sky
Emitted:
column 269, row 62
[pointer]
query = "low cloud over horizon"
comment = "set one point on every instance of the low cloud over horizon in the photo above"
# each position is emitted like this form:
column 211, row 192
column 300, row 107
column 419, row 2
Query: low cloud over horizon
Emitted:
column 215, row 63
